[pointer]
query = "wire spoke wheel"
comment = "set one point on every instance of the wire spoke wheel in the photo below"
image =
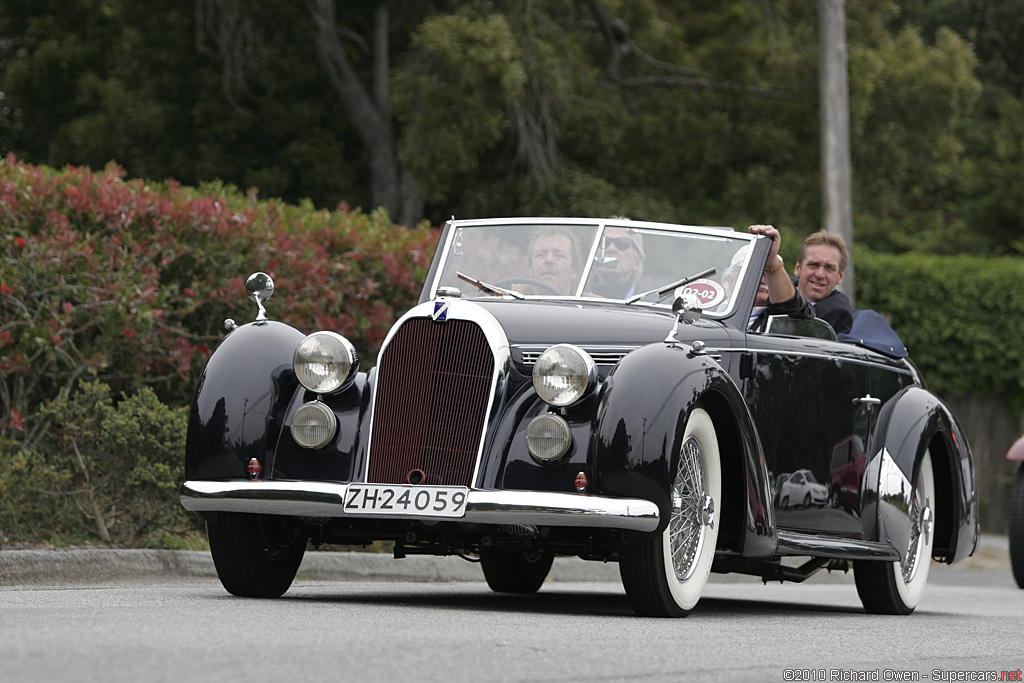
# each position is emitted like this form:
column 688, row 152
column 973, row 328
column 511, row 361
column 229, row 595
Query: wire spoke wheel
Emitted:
column 897, row 587
column 665, row 576
column 920, row 528
column 689, row 504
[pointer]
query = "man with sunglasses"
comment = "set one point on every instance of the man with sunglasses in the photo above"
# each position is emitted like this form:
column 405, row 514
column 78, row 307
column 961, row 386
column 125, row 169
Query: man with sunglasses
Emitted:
column 620, row 261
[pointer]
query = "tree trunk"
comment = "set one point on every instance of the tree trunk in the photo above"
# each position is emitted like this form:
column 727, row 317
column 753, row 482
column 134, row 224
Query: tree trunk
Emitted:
column 368, row 109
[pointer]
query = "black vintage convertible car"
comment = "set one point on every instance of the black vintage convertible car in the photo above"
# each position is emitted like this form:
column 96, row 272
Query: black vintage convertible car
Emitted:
column 589, row 388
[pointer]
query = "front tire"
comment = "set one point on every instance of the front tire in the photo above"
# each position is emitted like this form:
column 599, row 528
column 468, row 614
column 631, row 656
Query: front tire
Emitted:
column 256, row 556
column 1017, row 527
column 897, row 587
column 515, row 571
column 666, row 577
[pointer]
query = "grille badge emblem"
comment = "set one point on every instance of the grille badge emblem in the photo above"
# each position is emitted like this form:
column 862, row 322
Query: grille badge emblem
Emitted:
column 440, row 313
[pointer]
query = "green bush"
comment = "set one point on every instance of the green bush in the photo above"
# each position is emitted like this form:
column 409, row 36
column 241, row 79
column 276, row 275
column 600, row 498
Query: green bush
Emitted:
column 129, row 283
column 110, row 472
column 114, row 287
column 961, row 318
column 31, row 509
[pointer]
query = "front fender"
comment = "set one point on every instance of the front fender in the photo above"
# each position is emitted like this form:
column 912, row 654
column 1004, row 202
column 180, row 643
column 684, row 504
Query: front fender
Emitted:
column 641, row 421
column 909, row 423
column 239, row 404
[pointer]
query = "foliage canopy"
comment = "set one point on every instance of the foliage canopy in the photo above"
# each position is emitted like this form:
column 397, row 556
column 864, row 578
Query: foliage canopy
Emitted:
column 698, row 112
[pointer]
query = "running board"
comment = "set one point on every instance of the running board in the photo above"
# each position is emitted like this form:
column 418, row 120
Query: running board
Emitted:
column 793, row 543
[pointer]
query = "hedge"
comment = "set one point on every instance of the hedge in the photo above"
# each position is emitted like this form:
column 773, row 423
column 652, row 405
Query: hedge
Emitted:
column 961, row 318
column 129, row 282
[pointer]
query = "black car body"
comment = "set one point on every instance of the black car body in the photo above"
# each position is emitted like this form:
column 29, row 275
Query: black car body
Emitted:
column 514, row 419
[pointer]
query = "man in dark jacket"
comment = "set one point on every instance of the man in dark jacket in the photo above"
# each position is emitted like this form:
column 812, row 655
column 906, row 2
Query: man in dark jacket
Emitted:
column 820, row 265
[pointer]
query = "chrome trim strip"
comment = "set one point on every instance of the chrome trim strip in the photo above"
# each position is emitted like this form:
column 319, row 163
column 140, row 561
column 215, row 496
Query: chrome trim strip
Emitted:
column 810, row 354
column 794, row 543
column 719, row 233
column 602, row 355
column 323, row 499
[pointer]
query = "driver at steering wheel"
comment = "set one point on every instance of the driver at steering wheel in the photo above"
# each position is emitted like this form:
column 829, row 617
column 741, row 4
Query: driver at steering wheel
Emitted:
column 554, row 260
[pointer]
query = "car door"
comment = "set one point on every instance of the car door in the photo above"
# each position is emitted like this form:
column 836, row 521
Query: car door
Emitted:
column 810, row 399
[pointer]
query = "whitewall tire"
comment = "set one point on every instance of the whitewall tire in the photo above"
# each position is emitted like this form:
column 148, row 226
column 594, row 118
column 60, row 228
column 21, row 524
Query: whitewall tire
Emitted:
column 897, row 587
column 665, row 577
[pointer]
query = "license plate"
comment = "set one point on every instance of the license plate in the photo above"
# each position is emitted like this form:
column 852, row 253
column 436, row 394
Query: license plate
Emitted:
column 394, row 499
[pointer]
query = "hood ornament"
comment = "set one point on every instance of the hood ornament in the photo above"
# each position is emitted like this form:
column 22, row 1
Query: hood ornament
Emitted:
column 260, row 287
column 687, row 310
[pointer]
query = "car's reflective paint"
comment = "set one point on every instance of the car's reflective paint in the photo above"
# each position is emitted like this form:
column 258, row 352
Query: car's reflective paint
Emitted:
column 779, row 404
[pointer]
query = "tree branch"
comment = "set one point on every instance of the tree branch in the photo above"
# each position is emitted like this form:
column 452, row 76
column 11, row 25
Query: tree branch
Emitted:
column 616, row 34
column 97, row 515
column 356, row 101
column 232, row 27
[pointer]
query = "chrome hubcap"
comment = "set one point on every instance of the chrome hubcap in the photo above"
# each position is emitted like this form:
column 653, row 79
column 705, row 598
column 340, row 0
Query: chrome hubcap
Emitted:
column 920, row 532
column 693, row 510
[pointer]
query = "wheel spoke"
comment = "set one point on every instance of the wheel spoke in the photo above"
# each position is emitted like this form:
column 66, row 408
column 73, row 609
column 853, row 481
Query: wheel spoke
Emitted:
column 686, row 526
column 918, row 522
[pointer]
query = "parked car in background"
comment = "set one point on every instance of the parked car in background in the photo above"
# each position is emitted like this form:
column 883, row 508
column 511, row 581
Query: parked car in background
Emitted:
column 588, row 388
column 1016, row 454
column 801, row 489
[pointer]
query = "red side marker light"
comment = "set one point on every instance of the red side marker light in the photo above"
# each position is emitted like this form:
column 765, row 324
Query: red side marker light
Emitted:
column 582, row 483
column 254, row 468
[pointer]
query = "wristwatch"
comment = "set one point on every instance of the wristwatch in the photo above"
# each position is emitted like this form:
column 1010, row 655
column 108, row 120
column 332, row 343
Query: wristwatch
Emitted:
column 776, row 268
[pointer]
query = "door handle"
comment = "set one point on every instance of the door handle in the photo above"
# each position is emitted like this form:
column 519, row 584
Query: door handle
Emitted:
column 867, row 400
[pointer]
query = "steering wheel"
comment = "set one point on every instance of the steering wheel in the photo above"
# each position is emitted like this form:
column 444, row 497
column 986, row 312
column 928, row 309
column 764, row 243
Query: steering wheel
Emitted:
column 536, row 284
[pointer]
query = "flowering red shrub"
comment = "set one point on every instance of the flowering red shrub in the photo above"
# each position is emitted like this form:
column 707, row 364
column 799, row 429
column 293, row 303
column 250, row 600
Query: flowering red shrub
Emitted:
column 129, row 283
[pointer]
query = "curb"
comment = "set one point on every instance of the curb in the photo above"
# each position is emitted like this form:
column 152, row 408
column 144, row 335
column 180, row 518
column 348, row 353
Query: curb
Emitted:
column 78, row 566
column 96, row 566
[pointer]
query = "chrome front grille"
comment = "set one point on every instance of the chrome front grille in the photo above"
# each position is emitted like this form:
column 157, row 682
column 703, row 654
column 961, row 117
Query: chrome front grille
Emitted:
column 433, row 393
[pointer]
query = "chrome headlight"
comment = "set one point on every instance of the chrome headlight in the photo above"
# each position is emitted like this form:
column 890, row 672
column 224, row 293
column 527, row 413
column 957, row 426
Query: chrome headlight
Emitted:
column 564, row 374
column 325, row 362
column 548, row 438
column 314, row 425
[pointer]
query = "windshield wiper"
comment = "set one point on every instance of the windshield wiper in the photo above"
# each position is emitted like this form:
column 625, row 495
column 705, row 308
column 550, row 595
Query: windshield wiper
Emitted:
column 665, row 289
column 487, row 288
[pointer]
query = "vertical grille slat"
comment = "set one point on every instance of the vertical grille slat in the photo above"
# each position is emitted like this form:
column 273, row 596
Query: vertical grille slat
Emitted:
column 433, row 387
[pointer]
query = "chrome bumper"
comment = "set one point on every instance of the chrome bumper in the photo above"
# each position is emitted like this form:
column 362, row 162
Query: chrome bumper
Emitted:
column 321, row 499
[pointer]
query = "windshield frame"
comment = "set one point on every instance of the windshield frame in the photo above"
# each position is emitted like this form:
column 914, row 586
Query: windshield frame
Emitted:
column 454, row 230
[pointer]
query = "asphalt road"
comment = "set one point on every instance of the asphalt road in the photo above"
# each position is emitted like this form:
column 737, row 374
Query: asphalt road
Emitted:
column 178, row 625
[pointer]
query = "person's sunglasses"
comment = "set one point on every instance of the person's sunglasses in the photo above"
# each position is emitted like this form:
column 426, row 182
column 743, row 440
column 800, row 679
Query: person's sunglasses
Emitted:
column 620, row 243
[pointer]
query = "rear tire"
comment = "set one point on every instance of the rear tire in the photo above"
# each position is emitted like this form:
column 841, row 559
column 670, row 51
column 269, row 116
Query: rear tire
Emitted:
column 1017, row 527
column 256, row 556
column 515, row 571
column 897, row 587
column 666, row 577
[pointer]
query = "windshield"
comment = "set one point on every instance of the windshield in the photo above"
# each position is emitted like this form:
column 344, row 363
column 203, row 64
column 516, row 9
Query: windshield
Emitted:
column 616, row 260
